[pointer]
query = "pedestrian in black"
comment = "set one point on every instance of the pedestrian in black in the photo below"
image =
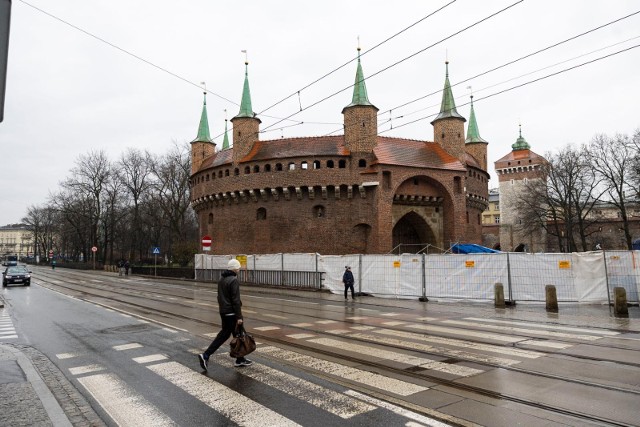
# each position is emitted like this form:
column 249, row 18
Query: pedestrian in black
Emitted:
column 230, row 313
column 126, row 267
column 347, row 279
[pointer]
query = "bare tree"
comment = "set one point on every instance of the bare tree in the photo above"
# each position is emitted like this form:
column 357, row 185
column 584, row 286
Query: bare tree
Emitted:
column 612, row 160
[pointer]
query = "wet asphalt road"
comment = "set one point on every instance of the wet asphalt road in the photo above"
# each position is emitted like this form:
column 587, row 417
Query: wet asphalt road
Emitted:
column 129, row 345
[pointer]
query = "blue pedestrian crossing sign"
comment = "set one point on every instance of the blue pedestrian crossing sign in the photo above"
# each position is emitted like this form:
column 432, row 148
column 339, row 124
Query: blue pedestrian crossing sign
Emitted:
column 156, row 250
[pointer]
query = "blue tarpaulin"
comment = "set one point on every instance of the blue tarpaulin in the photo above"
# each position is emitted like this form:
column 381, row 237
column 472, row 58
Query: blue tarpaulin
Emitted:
column 471, row 248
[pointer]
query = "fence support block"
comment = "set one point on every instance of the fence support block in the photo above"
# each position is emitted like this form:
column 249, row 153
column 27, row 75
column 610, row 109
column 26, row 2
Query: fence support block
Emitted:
column 620, row 302
column 499, row 295
column 551, row 298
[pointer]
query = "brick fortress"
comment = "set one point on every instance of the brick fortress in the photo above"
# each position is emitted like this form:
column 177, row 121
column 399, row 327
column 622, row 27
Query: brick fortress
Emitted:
column 354, row 193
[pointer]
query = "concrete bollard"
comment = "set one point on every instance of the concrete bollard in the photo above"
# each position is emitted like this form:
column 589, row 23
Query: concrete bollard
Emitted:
column 620, row 302
column 499, row 295
column 551, row 298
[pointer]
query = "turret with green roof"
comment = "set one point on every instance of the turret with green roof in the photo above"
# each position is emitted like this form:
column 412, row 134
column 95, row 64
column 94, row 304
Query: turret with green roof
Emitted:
column 521, row 143
column 360, row 117
column 203, row 146
column 448, row 126
column 246, row 126
column 475, row 145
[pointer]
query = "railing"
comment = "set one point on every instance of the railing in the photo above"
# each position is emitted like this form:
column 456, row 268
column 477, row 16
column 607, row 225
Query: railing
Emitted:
column 292, row 279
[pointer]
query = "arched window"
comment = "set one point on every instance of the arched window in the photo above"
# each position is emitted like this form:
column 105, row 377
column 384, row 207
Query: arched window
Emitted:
column 342, row 164
column 292, row 166
column 267, row 168
column 219, row 174
column 207, row 177
column 362, row 163
column 247, row 170
column 210, row 218
column 330, row 163
column 304, row 166
column 261, row 214
column 256, row 169
column 278, row 167
column 316, row 164
column 226, row 172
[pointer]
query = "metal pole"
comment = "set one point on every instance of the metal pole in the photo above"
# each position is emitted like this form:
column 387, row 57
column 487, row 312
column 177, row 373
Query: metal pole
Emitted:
column 282, row 268
column 509, row 277
column 360, row 275
column 606, row 276
column 424, row 276
column 155, row 263
column 317, row 279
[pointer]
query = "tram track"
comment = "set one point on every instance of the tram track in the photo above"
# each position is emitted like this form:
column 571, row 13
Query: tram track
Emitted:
column 73, row 286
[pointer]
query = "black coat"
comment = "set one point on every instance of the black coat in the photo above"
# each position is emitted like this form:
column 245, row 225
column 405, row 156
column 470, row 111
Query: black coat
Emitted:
column 229, row 294
column 347, row 278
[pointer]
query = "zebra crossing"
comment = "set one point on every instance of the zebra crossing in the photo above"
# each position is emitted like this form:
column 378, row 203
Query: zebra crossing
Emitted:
column 7, row 330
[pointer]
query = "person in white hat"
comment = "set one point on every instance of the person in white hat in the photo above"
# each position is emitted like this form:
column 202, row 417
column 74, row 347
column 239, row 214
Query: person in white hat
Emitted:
column 230, row 313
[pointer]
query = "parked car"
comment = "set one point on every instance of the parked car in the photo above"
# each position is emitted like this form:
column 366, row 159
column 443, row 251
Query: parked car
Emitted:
column 16, row 274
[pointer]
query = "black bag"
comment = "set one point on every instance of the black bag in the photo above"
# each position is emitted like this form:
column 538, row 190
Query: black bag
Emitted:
column 242, row 343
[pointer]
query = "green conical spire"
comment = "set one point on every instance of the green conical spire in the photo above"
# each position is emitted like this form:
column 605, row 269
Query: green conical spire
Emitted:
column 203, row 128
column 245, row 105
column 473, row 134
column 225, row 141
column 448, row 106
column 521, row 143
column 359, row 88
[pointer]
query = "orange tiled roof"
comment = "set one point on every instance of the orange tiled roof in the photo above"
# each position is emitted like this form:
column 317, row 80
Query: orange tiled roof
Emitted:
column 389, row 151
column 519, row 155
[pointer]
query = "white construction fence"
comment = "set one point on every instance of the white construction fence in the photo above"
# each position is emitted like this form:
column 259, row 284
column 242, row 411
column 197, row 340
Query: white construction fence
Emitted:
column 578, row 277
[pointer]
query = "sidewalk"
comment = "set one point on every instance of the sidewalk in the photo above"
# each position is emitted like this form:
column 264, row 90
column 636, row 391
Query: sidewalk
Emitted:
column 32, row 390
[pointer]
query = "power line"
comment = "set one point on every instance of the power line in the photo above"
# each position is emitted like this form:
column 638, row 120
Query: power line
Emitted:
column 363, row 53
column 400, row 61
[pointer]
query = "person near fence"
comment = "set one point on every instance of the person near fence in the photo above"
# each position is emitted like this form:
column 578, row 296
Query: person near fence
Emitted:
column 348, row 280
column 230, row 307
column 126, row 267
column 121, row 267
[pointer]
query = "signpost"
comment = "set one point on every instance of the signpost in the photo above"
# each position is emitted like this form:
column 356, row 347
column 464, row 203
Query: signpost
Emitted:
column 94, row 249
column 156, row 251
column 206, row 243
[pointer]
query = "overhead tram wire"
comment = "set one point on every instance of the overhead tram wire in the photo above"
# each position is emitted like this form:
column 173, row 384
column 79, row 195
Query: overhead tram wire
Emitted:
column 363, row 53
column 400, row 61
column 519, row 59
column 512, row 78
column 475, row 101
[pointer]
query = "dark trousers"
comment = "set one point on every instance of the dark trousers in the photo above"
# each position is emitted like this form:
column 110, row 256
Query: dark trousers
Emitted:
column 228, row 329
column 348, row 286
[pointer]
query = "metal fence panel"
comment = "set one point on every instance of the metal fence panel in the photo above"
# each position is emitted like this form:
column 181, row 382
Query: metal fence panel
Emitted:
column 623, row 271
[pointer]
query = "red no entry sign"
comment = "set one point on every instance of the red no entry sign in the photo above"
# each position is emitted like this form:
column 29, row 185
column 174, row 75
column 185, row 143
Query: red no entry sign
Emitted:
column 206, row 243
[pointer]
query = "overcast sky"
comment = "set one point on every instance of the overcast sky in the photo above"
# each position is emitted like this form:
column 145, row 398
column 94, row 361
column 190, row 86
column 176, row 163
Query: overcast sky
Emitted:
column 69, row 93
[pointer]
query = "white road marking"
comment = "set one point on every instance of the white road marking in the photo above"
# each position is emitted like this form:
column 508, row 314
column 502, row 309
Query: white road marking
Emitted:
column 301, row 336
column 231, row 404
column 173, row 331
column 455, row 331
column 524, row 331
column 63, row 356
column 510, row 351
column 123, row 404
column 546, row 344
column 331, row 401
column 357, row 318
column 363, row 350
column 542, row 326
column 363, row 328
column 326, row 322
column 79, row 370
column 391, row 314
column 249, row 311
column 127, row 346
column 338, row 331
column 150, row 358
column 393, row 323
column 367, row 378
column 275, row 316
column 8, row 337
column 398, row 341
column 397, row 410
column 302, row 325
column 266, row 328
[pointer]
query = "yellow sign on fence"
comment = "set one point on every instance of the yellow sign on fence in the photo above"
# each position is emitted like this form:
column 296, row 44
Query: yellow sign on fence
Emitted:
column 243, row 260
column 564, row 264
column 470, row 264
column 396, row 264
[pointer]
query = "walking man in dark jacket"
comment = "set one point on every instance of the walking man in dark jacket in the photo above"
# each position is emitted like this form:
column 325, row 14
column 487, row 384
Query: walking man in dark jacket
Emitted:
column 347, row 279
column 230, row 313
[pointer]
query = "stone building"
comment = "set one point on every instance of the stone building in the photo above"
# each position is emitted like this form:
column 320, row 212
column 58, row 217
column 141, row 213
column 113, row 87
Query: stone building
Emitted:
column 353, row 193
column 16, row 240
column 514, row 171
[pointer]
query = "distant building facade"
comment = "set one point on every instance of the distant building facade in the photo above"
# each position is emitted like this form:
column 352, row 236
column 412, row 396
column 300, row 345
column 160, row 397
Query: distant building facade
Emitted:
column 352, row 193
column 15, row 239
